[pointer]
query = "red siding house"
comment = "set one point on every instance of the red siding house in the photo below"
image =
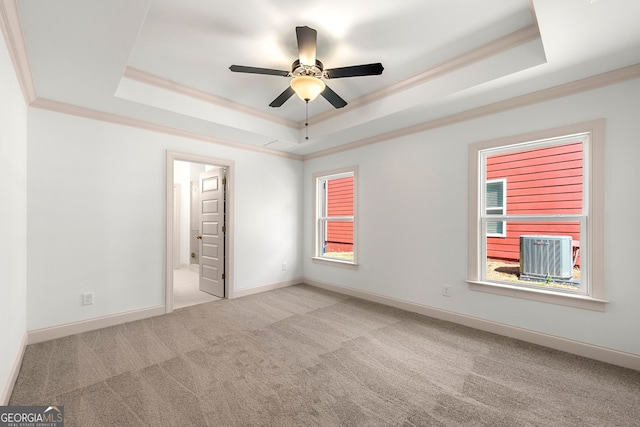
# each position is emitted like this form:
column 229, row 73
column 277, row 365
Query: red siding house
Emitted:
column 539, row 181
column 340, row 203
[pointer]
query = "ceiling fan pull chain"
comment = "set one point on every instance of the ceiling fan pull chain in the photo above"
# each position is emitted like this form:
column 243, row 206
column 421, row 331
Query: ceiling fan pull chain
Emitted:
column 306, row 122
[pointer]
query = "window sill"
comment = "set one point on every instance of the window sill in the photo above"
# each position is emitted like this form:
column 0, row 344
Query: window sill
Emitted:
column 571, row 300
column 335, row 262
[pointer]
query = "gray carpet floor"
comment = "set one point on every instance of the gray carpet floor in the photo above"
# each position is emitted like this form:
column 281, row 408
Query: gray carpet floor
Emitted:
column 302, row 356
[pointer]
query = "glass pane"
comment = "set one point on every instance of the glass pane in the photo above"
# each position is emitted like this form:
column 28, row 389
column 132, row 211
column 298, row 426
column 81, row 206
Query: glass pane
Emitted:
column 338, row 240
column 536, row 254
column 339, row 196
column 495, row 227
column 495, row 195
column 545, row 180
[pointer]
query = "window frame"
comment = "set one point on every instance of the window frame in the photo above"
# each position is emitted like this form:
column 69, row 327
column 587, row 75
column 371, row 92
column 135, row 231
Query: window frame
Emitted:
column 592, row 229
column 318, row 218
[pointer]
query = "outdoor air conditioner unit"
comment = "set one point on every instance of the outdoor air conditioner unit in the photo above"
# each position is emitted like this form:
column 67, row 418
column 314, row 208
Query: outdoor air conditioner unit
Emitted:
column 543, row 257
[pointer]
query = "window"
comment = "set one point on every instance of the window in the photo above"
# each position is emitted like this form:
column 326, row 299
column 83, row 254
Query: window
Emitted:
column 495, row 205
column 335, row 224
column 543, row 239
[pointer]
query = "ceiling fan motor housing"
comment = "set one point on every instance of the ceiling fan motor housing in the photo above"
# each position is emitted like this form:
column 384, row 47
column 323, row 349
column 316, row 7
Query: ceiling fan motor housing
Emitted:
column 298, row 69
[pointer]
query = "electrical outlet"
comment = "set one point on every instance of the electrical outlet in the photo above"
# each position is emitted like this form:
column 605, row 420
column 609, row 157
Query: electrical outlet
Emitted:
column 284, row 266
column 87, row 298
column 446, row 290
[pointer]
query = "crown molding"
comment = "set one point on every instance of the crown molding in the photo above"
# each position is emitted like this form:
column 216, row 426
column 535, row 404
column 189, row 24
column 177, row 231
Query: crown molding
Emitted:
column 490, row 49
column 486, row 51
column 583, row 85
column 11, row 26
column 162, row 83
column 75, row 110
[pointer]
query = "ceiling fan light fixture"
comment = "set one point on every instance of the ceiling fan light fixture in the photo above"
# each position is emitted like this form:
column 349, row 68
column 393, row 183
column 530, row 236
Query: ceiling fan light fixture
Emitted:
column 307, row 87
column 308, row 73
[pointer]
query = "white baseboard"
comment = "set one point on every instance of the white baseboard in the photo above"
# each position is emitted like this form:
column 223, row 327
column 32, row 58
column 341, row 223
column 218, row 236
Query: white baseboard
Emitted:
column 263, row 288
column 59, row 331
column 53, row 332
column 13, row 373
column 603, row 354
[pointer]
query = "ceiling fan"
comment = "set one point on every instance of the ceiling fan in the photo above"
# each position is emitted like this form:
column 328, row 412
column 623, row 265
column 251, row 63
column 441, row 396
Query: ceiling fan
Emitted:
column 308, row 73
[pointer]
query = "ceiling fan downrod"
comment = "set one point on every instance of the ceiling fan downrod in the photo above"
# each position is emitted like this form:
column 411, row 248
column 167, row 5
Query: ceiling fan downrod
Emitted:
column 306, row 121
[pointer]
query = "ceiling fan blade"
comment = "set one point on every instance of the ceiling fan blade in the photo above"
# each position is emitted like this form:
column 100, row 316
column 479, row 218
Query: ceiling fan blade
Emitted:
column 355, row 71
column 282, row 98
column 256, row 70
column 307, row 38
column 333, row 98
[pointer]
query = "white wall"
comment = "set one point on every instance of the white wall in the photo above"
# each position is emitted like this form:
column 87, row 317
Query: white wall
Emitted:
column 13, row 224
column 96, row 216
column 413, row 213
column 182, row 177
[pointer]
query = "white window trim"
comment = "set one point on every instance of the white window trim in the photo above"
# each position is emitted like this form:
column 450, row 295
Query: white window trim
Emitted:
column 335, row 173
column 593, row 188
column 504, row 207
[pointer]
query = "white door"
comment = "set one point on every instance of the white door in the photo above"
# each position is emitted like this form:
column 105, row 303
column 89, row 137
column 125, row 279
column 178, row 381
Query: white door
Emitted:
column 212, row 223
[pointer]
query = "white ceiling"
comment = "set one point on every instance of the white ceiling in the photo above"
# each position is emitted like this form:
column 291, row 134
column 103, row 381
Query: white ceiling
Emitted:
column 166, row 62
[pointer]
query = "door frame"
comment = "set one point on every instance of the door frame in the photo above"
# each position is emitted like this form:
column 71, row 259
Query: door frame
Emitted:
column 229, row 222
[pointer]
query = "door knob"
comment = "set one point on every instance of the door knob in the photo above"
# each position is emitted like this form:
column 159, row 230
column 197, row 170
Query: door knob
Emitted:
column 199, row 237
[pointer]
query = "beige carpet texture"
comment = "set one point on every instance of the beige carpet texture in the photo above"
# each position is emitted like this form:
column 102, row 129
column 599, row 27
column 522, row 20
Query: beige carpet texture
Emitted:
column 302, row 356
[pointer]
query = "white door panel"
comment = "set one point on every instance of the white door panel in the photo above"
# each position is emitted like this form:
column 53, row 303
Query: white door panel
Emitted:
column 211, row 232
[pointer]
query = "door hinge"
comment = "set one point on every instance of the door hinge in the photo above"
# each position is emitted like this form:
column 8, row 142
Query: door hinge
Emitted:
column 224, row 181
column 224, row 228
column 223, row 276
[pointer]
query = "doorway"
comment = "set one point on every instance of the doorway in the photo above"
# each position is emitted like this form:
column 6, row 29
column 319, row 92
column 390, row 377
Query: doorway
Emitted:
column 199, row 233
